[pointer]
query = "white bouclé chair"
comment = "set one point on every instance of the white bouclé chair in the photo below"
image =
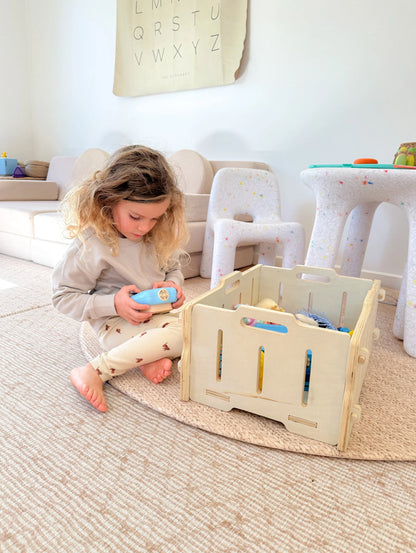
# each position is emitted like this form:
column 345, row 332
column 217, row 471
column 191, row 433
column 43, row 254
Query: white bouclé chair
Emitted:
column 244, row 207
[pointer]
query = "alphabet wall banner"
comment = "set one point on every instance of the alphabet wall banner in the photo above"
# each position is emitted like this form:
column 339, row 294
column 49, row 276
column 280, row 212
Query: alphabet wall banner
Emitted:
column 169, row 45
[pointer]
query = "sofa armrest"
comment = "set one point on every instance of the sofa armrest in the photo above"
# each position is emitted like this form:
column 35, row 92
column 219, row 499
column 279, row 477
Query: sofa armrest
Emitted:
column 27, row 190
column 196, row 207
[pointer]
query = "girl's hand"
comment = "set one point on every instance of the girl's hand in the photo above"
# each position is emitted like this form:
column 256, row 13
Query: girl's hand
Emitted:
column 133, row 312
column 179, row 292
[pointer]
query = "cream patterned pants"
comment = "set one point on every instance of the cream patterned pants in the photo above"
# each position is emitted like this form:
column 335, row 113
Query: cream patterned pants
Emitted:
column 128, row 346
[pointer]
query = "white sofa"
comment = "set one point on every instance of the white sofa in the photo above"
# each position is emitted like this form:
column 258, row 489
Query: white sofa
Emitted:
column 31, row 226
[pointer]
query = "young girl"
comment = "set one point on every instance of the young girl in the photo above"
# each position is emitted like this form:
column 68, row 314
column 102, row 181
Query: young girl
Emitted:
column 128, row 226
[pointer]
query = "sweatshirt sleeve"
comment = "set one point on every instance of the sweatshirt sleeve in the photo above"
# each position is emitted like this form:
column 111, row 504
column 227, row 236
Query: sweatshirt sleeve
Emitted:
column 73, row 282
column 175, row 273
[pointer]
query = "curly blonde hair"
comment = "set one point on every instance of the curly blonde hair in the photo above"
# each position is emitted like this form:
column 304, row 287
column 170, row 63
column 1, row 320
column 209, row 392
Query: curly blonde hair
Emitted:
column 134, row 173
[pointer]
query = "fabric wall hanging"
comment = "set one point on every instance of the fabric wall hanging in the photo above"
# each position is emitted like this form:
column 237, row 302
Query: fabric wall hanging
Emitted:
column 168, row 45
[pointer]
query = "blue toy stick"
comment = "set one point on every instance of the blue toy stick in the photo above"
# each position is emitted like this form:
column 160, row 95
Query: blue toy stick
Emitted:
column 159, row 299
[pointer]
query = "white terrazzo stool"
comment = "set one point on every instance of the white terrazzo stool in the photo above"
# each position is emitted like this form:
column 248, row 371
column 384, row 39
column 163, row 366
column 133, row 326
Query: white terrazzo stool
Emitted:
column 253, row 195
column 342, row 190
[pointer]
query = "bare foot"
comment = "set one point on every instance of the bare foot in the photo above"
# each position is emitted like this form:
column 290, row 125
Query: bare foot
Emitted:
column 157, row 370
column 89, row 384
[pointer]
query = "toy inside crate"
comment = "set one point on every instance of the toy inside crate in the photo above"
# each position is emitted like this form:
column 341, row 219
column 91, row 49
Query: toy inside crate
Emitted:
column 306, row 377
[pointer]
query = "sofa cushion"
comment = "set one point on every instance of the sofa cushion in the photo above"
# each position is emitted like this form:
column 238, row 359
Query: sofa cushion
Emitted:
column 60, row 169
column 196, row 237
column 217, row 165
column 17, row 217
column 27, row 189
column 196, row 207
column 15, row 245
column 193, row 171
column 46, row 252
column 87, row 164
column 49, row 226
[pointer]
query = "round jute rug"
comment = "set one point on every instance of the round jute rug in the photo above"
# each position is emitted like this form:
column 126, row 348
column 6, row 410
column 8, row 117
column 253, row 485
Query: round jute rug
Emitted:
column 386, row 430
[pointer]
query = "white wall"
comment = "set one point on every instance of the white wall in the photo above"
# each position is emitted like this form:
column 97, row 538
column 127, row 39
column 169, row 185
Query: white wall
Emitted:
column 15, row 120
column 323, row 81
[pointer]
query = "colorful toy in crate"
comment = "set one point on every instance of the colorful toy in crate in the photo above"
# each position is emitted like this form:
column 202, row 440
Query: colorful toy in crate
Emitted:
column 159, row 299
column 265, row 303
column 7, row 164
column 314, row 319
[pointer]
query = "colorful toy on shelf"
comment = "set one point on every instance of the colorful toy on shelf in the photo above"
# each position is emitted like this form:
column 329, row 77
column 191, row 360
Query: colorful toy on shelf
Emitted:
column 18, row 173
column 7, row 164
column 159, row 299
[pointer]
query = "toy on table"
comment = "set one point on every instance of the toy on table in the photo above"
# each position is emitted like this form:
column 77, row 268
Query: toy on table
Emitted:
column 159, row 299
column 405, row 154
column 401, row 156
column 364, row 160
column 403, row 159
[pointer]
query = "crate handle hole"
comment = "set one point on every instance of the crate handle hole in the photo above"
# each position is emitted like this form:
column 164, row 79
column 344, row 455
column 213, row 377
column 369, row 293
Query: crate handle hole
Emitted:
column 313, row 276
column 231, row 287
column 307, row 376
column 263, row 325
column 220, row 339
column 343, row 309
column 260, row 370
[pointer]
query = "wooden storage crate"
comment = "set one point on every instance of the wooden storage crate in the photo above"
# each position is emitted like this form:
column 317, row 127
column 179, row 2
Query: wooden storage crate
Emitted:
column 227, row 364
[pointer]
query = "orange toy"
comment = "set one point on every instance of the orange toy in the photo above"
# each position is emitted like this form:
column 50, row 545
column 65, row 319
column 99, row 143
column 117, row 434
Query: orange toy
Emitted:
column 362, row 160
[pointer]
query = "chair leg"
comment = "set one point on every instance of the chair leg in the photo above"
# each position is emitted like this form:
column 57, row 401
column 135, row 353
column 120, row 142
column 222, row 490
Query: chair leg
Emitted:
column 399, row 317
column 293, row 242
column 223, row 259
column 357, row 238
column 207, row 254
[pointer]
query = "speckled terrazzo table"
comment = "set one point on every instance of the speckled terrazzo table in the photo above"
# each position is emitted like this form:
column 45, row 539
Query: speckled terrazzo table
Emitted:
column 340, row 191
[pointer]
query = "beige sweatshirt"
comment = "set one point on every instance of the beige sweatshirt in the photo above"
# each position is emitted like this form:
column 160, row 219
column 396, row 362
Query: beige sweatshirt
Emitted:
column 85, row 282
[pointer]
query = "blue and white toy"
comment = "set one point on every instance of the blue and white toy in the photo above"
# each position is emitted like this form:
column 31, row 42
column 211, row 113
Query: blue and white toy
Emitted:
column 7, row 164
column 159, row 299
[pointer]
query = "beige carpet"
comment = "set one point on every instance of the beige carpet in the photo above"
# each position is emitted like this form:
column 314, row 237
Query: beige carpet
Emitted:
column 73, row 480
column 386, row 430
